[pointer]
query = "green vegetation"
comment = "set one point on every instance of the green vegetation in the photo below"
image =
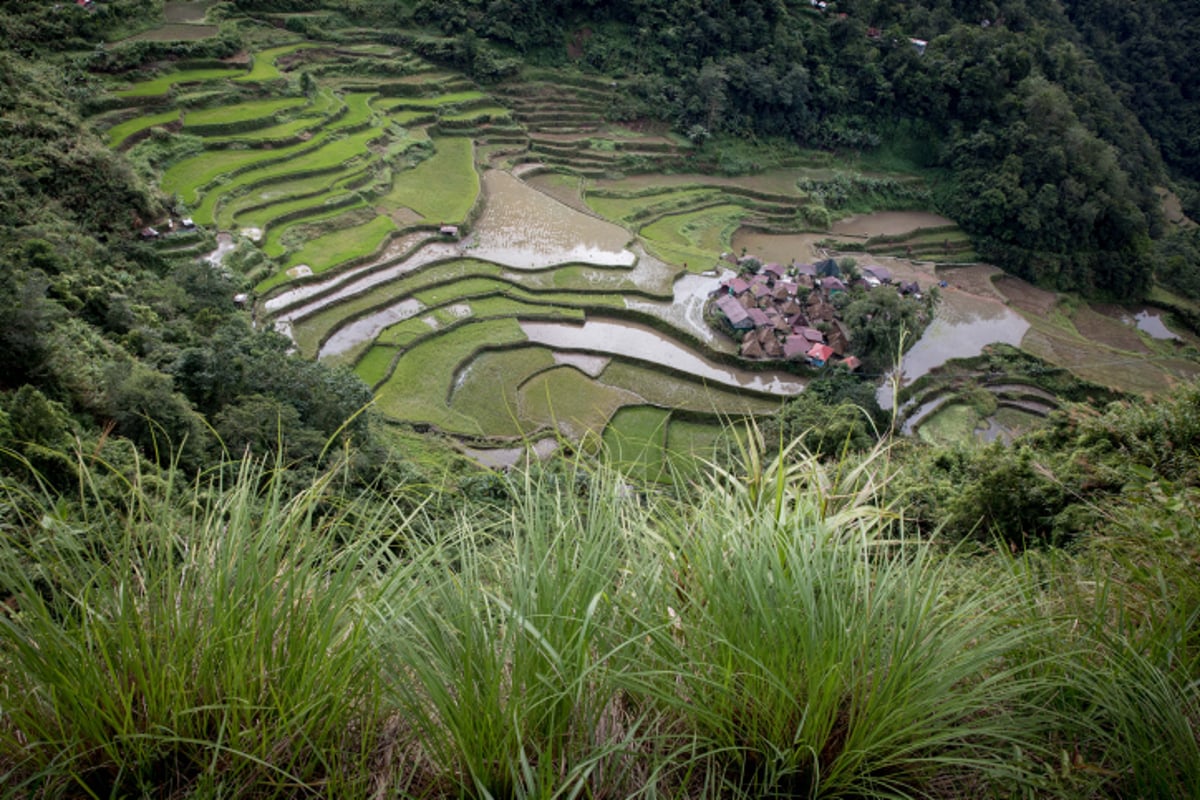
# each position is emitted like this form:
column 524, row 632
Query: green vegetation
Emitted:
column 773, row 631
column 118, row 133
column 330, row 154
column 635, row 441
column 696, row 238
column 264, row 68
column 487, row 389
column 450, row 98
column 567, row 401
column 669, row 391
column 442, row 188
column 347, row 244
column 167, row 81
column 417, row 390
column 375, row 364
column 242, row 112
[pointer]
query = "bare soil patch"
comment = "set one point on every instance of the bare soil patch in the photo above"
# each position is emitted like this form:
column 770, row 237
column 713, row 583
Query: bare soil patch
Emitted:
column 403, row 216
column 976, row 279
column 1105, row 330
column 563, row 188
column 1172, row 208
column 578, row 40
column 1026, row 296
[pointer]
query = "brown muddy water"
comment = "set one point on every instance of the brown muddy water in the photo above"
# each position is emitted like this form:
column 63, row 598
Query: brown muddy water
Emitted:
column 187, row 12
column 503, row 457
column 291, row 304
column 686, row 310
column 640, row 342
column 962, row 326
column 591, row 366
column 175, row 32
column 888, row 223
column 523, row 228
column 782, row 248
column 1150, row 321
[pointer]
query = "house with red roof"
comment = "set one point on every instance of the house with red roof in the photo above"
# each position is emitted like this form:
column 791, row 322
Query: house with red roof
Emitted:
column 818, row 354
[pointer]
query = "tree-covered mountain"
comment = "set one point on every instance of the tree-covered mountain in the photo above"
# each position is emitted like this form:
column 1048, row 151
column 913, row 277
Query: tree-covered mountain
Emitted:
column 1046, row 157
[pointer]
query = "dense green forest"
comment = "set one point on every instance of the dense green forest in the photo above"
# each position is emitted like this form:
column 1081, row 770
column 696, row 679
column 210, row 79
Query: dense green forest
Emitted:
column 221, row 574
column 1044, row 163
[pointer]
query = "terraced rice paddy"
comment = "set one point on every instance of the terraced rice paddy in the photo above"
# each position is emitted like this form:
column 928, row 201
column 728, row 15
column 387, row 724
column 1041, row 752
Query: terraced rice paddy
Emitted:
column 165, row 82
column 563, row 298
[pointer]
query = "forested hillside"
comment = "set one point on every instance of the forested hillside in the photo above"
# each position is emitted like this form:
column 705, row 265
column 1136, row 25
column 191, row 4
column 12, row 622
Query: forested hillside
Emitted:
column 1046, row 164
column 97, row 330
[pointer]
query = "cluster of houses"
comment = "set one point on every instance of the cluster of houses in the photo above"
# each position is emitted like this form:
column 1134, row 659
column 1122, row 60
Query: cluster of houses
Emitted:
column 787, row 312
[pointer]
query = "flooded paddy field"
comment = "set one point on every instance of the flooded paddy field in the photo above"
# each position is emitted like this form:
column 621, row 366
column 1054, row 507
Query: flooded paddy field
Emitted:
column 962, row 326
column 526, row 229
column 888, row 223
column 642, row 343
column 187, row 11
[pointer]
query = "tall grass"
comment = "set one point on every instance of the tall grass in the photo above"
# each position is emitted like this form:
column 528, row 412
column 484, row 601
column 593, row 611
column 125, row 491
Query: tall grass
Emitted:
column 509, row 663
column 768, row 631
column 815, row 650
column 216, row 640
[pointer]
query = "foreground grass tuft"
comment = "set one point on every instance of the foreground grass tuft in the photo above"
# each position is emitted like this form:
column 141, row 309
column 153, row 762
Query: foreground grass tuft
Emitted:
column 768, row 631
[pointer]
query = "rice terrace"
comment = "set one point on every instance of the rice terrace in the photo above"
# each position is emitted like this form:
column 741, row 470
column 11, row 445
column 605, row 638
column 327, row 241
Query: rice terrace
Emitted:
column 512, row 265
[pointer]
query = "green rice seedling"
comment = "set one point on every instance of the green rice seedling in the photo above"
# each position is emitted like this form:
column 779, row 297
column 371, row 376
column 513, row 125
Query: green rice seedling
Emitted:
column 572, row 403
column 202, row 638
column 264, row 68
column 418, row 388
column 163, row 83
column 328, row 156
column 506, row 664
column 346, row 244
column 635, row 438
column 441, row 188
column 118, row 133
column 486, row 389
column 695, row 238
column 263, row 203
column 242, row 112
column 375, row 364
column 815, row 651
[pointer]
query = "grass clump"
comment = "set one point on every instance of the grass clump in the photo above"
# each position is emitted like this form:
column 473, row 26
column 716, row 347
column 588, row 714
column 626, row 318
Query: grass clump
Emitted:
column 212, row 641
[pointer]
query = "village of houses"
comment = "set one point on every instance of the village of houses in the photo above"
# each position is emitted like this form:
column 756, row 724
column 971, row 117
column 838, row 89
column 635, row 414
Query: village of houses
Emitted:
column 787, row 313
